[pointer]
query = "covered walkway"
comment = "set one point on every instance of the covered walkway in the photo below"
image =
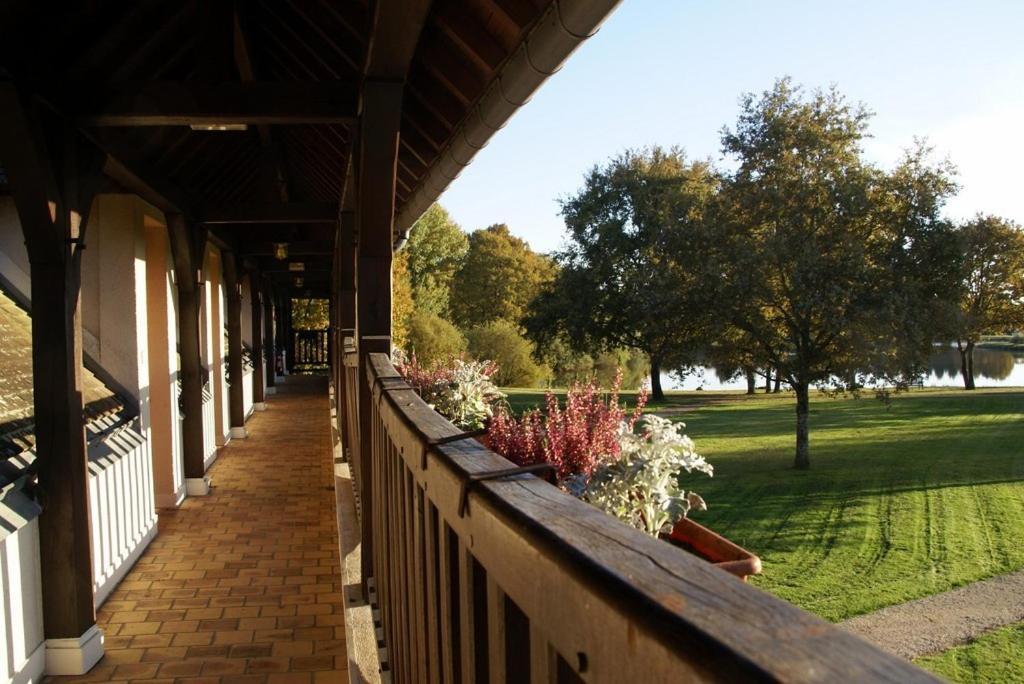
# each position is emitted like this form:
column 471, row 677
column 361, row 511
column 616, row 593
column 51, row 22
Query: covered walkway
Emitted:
column 242, row 585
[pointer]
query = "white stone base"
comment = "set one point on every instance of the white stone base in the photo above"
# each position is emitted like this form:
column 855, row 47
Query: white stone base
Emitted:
column 74, row 656
column 259, row 406
column 197, row 486
column 270, row 390
column 239, row 433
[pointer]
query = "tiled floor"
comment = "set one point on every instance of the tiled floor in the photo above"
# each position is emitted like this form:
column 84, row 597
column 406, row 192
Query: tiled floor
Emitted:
column 241, row 586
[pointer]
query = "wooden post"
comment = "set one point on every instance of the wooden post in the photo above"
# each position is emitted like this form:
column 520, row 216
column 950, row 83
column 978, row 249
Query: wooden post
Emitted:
column 53, row 195
column 270, row 336
column 377, row 165
column 188, row 246
column 345, row 298
column 256, row 297
column 288, row 348
column 236, row 391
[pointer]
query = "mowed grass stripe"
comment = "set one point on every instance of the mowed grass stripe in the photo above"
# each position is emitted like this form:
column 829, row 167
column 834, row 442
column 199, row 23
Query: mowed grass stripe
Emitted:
column 902, row 500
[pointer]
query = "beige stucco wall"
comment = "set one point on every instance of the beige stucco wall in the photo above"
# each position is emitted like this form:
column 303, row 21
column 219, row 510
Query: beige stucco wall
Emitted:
column 13, row 254
column 161, row 295
column 114, row 306
column 214, row 356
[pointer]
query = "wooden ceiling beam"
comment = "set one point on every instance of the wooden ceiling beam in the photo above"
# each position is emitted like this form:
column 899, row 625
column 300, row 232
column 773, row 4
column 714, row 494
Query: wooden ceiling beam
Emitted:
column 293, row 212
column 185, row 104
column 396, row 34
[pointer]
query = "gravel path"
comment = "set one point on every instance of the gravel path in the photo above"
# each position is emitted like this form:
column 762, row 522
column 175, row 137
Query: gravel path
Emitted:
column 936, row 623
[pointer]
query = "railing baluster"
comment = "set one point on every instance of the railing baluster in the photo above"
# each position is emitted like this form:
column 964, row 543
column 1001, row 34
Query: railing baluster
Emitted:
column 433, row 591
column 467, row 612
column 451, row 643
column 543, row 659
column 419, row 572
column 496, row 632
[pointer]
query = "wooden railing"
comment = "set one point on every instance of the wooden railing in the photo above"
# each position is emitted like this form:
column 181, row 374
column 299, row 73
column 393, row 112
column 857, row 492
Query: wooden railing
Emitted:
column 310, row 348
column 509, row 579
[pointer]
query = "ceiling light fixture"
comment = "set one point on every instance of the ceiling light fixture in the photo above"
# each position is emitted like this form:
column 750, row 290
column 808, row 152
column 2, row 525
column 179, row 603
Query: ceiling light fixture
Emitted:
column 220, row 127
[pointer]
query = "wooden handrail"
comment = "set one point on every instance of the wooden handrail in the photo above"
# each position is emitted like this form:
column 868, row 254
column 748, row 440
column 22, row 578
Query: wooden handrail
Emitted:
column 531, row 584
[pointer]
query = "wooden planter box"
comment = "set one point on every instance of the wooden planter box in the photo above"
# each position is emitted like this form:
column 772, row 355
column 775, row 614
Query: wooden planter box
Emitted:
column 714, row 548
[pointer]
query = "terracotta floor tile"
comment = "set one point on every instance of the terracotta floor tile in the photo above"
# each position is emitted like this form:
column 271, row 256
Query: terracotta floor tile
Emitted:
column 241, row 586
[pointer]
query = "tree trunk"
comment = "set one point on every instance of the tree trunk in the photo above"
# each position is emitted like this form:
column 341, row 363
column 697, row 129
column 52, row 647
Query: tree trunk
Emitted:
column 778, row 383
column 657, row 394
column 967, row 364
column 768, row 380
column 751, row 381
column 803, row 450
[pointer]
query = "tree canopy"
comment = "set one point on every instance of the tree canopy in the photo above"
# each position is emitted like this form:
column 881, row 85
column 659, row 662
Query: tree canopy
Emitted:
column 498, row 278
column 989, row 287
column 808, row 254
column 434, row 253
column 632, row 274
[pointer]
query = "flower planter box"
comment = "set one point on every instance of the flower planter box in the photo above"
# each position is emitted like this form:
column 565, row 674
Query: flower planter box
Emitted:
column 714, row 548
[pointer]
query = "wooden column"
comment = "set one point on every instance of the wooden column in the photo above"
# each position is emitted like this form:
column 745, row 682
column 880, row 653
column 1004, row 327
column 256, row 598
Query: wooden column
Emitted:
column 256, row 296
column 345, row 297
column 188, row 247
column 270, row 337
column 287, row 334
column 54, row 176
column 376, row 172
column 236, row 391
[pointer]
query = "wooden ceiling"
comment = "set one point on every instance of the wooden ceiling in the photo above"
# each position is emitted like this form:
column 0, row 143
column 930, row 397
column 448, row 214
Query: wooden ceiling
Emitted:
column 133, row 74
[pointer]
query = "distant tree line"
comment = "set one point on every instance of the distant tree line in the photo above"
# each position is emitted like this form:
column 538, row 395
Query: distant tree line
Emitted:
column 799, row 261
column 456, row 293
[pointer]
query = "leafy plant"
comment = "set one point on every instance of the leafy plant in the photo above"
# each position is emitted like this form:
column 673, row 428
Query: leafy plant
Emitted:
column 643, row 485
column 461, row 391
column 576, row 438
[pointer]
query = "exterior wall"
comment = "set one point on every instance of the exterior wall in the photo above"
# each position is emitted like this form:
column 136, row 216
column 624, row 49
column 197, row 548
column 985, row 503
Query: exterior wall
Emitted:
column 214, row 310
column 247, row 394
column 165, row 437
column 115, row 322
column 13, row 254
column 21, row 626
column 246, row 312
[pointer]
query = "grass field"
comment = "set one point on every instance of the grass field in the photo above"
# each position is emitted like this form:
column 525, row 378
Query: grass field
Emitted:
column 901, row 501
column 994, row 657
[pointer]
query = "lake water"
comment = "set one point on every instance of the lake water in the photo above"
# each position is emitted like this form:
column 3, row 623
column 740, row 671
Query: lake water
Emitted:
column 992, row 368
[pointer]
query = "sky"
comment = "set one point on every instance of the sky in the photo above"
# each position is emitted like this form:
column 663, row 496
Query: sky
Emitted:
column 671, row 72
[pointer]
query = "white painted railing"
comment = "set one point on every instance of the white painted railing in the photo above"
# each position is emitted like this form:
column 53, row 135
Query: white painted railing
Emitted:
column 121, row 506
column 23, row 654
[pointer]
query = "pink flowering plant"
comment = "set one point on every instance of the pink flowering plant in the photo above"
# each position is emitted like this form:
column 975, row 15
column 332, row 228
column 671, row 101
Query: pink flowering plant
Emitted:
column 575, row 438
column 628, row 465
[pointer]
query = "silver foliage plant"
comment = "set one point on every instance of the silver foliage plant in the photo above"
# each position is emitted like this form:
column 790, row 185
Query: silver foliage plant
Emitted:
column 467, row 398
column 642, row 487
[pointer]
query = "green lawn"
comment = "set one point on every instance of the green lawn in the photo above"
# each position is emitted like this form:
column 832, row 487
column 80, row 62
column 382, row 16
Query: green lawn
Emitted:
column 994, row 657
column 902, row 501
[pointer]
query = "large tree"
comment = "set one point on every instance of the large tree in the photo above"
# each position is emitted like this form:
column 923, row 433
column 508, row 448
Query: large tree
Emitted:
column 989, row 295
column 499, row 276
column 434, row 253
column 402, row 303
column 632, row 274
column 811, row 242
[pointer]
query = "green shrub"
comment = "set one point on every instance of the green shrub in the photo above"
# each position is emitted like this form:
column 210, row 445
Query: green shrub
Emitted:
column 501, row 342
column 433, row 339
